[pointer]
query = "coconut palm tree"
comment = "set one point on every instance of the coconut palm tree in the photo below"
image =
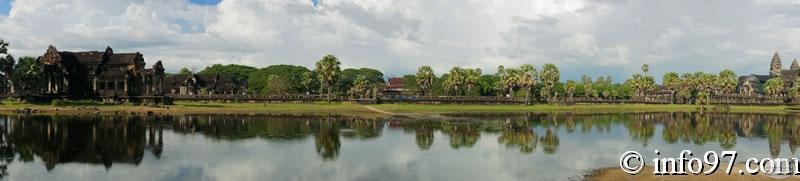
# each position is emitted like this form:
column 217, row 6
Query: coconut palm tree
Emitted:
column 425, row 78
column 328, row 72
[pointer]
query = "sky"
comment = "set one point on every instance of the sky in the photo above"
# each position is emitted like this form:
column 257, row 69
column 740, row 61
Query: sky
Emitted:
column 594, row 37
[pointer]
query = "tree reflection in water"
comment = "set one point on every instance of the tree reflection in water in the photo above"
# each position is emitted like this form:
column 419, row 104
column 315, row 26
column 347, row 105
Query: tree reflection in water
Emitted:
column 327, row 139
column 519, row 134
column 109, row 140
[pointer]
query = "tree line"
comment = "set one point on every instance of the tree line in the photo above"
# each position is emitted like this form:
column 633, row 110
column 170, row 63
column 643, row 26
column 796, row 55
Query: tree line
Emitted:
column 528, row 81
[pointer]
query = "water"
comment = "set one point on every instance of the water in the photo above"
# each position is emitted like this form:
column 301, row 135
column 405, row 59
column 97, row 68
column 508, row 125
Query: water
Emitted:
column 466, row 147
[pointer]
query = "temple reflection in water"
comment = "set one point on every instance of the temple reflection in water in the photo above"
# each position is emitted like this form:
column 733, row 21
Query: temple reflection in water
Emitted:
column 110, row 140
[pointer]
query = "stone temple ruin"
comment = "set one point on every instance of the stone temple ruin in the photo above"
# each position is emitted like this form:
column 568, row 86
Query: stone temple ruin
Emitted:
column 750, row 84
column 105, row 75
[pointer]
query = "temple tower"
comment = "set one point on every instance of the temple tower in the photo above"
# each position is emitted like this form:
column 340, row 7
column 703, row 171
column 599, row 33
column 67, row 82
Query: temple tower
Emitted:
column 775, row 66
column 795, row 65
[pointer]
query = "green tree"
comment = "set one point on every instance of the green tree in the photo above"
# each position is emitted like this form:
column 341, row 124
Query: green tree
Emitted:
column 794, row 91
column 460, row 81
column 257, row 81
column 471, row 78
column 704, row 84
column 410, row 83
column 642, row 83
column 727, row 82
column 672, row 82
column 587, row 86
column 184, row 71
column 29, row 75
column 508, row 79
column 328, row 72
column 240, row 73
column 277, row 85
column 6, row 67
column 527, row 78
column 774, row 86
column 455, row 80
column 550, row 76
column 487, row 84
column 425, row 78
column 310, row 82
column 360, row 87
column 348, row 77
column 570, row 88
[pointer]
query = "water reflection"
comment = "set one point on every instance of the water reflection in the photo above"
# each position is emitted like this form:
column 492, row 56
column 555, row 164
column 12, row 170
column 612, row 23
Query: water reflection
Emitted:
column 111, row 140
column 93, row 140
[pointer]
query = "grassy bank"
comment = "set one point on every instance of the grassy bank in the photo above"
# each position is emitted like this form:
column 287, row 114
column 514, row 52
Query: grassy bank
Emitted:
column 580, row 108
column 196, row 108
column 372, row 110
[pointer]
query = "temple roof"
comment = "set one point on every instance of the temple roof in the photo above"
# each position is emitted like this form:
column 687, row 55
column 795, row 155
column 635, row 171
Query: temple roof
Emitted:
column 123, row 58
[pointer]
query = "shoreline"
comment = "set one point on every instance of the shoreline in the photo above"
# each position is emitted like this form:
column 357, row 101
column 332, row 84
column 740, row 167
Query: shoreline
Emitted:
column 614, row 173
column 380, row 110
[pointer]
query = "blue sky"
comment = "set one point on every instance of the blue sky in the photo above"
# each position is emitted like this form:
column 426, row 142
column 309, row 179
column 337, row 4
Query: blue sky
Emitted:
column 5, row 6
column 203, row 2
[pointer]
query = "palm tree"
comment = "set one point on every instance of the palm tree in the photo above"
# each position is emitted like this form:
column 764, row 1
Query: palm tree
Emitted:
column 794, row 91
column 672, row 81
column 471, row 77
column 727, row 81
column 425, row 78
column 550, row 76
column 454, row 80
column 309, row 80
column 527, row 77
column 360, row 87
column 509, row 79
column 587, row 85
column 570, row 88
column 774, row 86
column 704, row 85
column 642, row 83
column 328, row 72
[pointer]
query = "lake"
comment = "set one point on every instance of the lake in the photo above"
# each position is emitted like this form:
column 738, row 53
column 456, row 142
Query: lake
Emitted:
column 479, row 147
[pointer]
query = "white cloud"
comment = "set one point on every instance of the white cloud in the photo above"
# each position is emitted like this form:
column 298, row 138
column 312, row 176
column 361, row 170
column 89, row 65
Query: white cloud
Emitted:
column 593, row 37
column 584, row 44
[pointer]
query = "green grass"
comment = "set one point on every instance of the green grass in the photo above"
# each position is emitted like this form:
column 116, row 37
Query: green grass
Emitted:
column 339, row 108
column 580, row 108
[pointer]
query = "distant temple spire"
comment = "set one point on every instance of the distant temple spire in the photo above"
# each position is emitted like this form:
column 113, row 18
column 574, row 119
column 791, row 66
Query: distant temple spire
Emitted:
column 775, row 66
column 795, row 65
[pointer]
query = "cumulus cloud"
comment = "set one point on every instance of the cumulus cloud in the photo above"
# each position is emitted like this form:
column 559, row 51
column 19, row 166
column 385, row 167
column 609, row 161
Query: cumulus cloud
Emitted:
column 607, row 37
